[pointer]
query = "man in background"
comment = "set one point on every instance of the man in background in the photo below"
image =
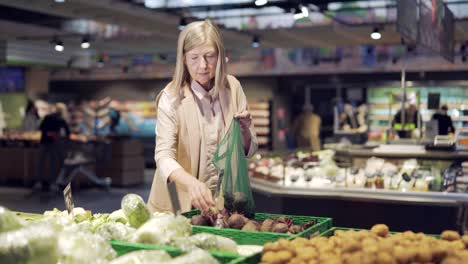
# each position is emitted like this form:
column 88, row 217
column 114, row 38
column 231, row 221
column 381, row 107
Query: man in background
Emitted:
column 53, row 129
column 444, row 120
column 307, row 128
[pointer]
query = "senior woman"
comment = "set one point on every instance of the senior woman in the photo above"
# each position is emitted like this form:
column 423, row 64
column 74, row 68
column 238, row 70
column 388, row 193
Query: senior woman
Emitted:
column 194, row 111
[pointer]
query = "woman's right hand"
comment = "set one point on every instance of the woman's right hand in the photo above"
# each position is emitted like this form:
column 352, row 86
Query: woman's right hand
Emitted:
column 199, row 194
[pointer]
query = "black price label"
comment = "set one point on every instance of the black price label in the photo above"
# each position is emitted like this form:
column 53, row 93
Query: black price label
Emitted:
column 67, row 196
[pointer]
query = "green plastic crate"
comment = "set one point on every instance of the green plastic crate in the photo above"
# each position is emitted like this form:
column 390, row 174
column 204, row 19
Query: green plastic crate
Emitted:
column 332, row 230
column 260, row 238
column 123, row 248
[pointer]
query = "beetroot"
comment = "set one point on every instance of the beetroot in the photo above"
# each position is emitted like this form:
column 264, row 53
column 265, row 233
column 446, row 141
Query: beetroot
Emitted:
column 199, row 220
column 280, row 228
column 251, row 226
column 236, row 221
column 295, row 229
column 309, row 224
column 267, row 225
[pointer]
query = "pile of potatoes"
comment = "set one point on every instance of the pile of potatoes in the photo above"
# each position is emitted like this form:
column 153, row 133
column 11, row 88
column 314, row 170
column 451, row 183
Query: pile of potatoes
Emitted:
column 368, row 247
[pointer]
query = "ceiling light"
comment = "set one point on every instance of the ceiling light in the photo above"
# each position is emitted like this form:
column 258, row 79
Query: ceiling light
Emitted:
column 59, row 46
column 59, row 1
column 305, row 11
column 182, row 24
column 85, row 43
column 375, row 34
column 255, row 42
column 153, row 3
column 261, row 2
column 298, row 14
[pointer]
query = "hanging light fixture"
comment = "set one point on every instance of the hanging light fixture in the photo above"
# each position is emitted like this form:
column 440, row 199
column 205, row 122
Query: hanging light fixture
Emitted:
column 255, row 42
column 59, row 1
column 59, row 46
column 261, row 2
column 85, row 43
column 375, row 35
column 182, row 24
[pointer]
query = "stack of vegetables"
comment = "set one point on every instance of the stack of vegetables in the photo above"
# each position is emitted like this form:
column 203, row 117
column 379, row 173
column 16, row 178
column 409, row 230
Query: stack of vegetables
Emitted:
column 80, row 237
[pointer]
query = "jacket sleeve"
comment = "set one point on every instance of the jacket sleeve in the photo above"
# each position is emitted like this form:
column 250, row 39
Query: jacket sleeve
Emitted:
column 242, row 105
column 166, row 136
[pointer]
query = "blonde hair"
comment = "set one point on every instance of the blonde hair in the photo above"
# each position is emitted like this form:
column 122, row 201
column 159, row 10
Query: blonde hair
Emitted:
column 193, row 35
column 62, row 109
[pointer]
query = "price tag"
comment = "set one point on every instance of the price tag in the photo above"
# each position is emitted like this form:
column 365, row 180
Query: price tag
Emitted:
column 67, row 196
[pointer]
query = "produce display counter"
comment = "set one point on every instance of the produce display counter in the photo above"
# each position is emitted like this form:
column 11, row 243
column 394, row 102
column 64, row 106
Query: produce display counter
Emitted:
column 429, row 212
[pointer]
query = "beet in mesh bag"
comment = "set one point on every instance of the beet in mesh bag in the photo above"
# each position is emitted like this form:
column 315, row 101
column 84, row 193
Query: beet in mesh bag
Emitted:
column 234, row 183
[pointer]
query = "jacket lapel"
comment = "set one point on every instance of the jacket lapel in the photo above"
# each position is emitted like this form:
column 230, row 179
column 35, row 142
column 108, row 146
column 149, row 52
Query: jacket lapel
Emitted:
column 226, row 106
column 189, row 108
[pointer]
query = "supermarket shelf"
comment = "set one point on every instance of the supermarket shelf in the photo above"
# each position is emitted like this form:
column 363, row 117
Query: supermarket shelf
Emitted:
column 427, row 198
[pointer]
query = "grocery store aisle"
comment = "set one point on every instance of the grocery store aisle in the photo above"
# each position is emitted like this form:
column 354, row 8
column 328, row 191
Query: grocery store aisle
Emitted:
column 95, row 199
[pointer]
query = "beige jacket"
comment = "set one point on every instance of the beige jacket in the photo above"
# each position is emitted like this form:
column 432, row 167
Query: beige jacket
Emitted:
column 182, row 140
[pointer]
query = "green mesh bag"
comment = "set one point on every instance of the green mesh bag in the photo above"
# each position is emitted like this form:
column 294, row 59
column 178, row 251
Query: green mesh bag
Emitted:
column 233, row 192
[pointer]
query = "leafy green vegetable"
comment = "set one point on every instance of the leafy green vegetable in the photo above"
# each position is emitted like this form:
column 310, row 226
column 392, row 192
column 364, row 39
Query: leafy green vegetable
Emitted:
column 33, row 244
column 143, row 257
column 8, row 220
column 135, row 210
column 115, row 231
column 163, row 229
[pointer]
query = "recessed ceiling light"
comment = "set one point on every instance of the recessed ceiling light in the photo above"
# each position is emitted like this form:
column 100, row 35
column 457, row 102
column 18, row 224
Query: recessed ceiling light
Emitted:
column 59, row 46
column 375, row 34
column 261, row 2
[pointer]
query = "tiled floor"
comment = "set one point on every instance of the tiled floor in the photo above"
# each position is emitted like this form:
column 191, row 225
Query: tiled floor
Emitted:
column 94, row 199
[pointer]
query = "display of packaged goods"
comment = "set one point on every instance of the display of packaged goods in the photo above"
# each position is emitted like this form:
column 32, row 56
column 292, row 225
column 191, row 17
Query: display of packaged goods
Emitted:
column 325, row 170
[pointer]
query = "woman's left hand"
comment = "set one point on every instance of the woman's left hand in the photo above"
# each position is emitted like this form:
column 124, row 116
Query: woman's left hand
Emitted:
column 245, row 119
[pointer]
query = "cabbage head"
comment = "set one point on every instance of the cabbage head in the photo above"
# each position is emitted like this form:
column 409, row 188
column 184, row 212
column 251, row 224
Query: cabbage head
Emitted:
column 213, row 242
column 118, row 216
column 36, row 244
column 163, row 229
column 81, row 247
column 196, row 256
column 115, row 231
column 135, row 210
column 143, row 257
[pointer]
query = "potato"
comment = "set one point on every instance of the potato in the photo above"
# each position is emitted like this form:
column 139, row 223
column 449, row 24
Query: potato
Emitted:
column 307, row 254
column 381, row 230
column 269, row 257
column 284, row 256
column 350, row 245
column 423, row 254
column 451, row 260
column 385, row 258
column 450, row 235
column 402, row 255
